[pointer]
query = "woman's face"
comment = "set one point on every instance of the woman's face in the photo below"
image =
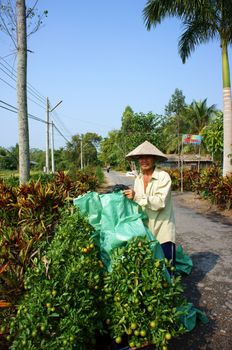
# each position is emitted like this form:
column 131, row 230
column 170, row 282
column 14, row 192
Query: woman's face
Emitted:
column 147, row 163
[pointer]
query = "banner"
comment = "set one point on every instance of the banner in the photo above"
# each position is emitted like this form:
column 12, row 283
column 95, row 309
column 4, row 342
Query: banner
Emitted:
column 191, row 139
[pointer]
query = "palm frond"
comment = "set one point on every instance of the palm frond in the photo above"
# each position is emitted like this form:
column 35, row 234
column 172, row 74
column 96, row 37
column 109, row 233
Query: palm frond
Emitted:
column 195, row 32
column 156, row 10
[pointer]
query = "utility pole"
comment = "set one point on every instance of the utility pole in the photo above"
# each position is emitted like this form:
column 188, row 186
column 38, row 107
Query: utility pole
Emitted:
column 48, row 111
column 81, row 151
column 47, row 137
column 52, row 148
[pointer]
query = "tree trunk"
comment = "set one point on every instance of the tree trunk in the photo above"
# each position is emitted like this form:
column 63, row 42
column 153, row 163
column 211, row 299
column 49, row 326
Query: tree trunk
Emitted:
column 23, row 130
column 227, row 152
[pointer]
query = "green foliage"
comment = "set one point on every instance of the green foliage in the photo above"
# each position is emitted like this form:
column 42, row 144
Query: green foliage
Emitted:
column 213, row 186
column 190, row 119
column 176, row 103
column 189, row 178
column 207, row 180
column 141, row 305
column 135, row 129
column 209, row 183
column 213, row 137
column 61, row 308
column 109, row 149
column 199, row 115
column 99, row 175
column 201, row 24
column 85, row 146
column 9, row 158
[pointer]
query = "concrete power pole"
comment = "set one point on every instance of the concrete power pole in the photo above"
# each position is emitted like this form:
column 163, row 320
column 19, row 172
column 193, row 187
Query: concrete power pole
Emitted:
column 47, row 137
column 81, row 151
column 52, row 138
column 52, row 148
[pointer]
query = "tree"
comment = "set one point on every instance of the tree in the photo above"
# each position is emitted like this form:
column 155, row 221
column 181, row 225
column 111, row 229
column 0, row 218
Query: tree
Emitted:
column 90, row 146
column 9, row 158
column 13, row 21
column 203, row 21
column 213, row 137
column 174, row 111
column 110, row 152
column 136, row 128
column 199, row 115
column 176, row 103
column 85, row 146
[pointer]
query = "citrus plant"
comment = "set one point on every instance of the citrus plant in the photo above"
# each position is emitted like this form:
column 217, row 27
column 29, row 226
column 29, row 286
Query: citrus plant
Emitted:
column 142, row 305
column 61, row 306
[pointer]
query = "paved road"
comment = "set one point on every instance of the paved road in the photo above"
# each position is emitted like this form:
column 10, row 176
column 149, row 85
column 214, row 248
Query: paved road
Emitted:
column 114, row 178
column 207, row 238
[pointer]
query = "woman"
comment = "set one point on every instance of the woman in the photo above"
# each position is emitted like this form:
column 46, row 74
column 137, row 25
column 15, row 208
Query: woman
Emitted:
column 152, row 191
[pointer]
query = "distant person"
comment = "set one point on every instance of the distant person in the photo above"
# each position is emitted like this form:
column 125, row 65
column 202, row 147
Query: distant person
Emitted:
column 108, row 168
column 152, row 191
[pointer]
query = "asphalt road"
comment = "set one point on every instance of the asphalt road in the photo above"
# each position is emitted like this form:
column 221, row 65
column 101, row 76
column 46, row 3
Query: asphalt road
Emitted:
column 207, row 237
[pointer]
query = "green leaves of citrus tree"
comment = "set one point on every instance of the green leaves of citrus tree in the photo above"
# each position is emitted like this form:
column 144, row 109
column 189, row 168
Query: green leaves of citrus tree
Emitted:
column 142, row 306
column 61, row 308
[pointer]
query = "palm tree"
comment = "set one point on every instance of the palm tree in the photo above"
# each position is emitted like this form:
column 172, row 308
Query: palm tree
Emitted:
column 198, row 115
column 203, row 21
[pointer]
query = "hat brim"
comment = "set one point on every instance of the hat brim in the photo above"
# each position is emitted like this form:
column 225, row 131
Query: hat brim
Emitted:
column 157, row 157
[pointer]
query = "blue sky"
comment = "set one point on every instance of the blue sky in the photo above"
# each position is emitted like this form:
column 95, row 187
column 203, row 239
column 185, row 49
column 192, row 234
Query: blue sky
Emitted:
column 97, row 57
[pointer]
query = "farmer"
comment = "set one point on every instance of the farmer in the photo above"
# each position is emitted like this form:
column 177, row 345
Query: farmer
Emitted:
column 152, row 191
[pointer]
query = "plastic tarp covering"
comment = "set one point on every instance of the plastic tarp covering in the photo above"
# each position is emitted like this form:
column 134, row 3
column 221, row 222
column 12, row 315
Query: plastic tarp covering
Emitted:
column 184, row 263
column 116, row 220
column 192, row 314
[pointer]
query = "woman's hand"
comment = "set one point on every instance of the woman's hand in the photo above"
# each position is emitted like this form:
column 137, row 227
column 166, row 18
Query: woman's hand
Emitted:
column 129, row 193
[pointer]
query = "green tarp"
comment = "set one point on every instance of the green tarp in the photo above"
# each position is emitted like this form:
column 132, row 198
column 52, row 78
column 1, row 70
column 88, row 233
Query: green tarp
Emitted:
column 117, row 219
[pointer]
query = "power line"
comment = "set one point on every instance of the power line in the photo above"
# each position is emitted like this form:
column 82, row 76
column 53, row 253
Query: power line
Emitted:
column 29, row 85
column 16, row 111
column 14, row 78
column 60, row 133
column 59, row 121
column 5, row 103
column 13, row 87
column 8, row 109
column 31, row 116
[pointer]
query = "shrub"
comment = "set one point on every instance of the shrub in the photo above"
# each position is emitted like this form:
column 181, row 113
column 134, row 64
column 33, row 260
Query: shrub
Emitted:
column 61, row 309
column 142, row 306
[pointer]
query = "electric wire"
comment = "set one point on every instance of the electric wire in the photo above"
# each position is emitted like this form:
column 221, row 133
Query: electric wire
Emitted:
column 14, row 78
column 29, row 89
column 58, row 121
column 60, row 133
column 43, row 98
column 31, row 116
column 13, row 87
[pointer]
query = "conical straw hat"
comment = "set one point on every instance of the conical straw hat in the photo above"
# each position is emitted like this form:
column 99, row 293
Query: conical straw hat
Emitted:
column 146, row 148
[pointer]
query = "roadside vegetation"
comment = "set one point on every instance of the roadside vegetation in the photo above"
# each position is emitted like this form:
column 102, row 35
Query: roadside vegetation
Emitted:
column 208, row 183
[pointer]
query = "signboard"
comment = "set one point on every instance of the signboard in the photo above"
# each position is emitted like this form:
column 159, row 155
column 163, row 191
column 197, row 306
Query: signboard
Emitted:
column 191, row 139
